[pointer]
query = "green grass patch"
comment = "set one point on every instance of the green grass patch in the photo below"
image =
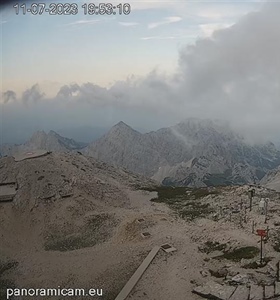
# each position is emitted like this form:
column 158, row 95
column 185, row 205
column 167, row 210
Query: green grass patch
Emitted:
column 185, row 201
column 196, row 210
column 97, row 229
column 168, row 194
column 210, row 246
column 257, row 265
column 240, row 253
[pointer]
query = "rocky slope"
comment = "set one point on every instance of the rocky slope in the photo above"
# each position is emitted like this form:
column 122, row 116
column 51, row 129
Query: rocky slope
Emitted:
column 272, row 179
column 41, row 140
column 65, row 223
column 191, row 153
column 58, row 193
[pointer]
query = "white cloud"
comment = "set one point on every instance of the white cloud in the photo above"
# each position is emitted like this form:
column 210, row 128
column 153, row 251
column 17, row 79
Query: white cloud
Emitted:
column 208, row 29
column 151, row 4
column 84, row 22
column 157, row 38
column 128, row 24
column 234, row 76
column 167, row 20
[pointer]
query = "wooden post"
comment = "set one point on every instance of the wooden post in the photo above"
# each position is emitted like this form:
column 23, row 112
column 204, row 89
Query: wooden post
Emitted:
column 261, row 249
column 267, row 230
column 253, row 226
column 240, row 220
column 250, row 197
column 266, row 204
column 277, row 272
column 250, row 203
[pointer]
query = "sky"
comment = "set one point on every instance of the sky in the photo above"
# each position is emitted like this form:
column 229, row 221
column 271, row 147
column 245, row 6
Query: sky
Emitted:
column 161, row 63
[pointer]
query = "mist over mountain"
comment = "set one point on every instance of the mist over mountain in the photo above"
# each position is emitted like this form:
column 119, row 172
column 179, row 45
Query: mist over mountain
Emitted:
column 84, row 134
column 192, row 153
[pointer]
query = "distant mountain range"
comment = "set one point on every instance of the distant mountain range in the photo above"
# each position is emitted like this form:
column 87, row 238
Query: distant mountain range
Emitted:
column 191, row 153
column 51, row 141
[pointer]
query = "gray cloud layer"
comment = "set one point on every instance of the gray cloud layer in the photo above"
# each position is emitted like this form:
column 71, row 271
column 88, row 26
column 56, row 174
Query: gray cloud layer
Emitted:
column 235, row 76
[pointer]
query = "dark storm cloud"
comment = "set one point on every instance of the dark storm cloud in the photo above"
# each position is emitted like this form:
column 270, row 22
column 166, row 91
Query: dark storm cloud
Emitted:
column 234, row 75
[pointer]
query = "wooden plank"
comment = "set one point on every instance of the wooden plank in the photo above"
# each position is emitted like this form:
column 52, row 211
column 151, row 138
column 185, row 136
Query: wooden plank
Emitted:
column 137, row 275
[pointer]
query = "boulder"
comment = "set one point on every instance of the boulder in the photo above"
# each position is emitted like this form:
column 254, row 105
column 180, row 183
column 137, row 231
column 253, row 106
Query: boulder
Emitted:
column 214, row 290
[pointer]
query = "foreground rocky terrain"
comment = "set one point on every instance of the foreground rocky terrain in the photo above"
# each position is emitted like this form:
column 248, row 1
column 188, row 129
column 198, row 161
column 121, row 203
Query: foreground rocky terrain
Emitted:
column 77, row 222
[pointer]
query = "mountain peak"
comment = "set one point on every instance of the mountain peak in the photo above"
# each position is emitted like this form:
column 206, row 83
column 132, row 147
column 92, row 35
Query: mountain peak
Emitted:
column 121, row 124
column 122, row 127
column 38, row 133
column 51, row 132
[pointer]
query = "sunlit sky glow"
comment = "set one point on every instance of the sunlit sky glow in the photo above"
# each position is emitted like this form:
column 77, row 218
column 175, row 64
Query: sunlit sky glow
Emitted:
column 164, row 62
column 56, row 50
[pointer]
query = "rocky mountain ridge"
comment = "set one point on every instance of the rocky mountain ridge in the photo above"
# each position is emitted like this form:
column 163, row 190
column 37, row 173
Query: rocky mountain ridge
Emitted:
column 51, row 141
column 272, row 179
column 191, row 153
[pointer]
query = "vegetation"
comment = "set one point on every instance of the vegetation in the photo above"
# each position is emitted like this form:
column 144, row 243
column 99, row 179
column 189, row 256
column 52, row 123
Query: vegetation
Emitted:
column 210, row 246
column 97, row 229
column 185, row 201
column 256, row 264
column 240, row 253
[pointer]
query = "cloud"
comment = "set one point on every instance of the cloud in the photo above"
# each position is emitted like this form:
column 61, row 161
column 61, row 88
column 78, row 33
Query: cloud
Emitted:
column 9, row 96
column 158, row 38
column 32, row 95
column 128, row 24
column 152, row 4
column 208, row 29
column 231, row 75
column 167, row 20
column 83, row 22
